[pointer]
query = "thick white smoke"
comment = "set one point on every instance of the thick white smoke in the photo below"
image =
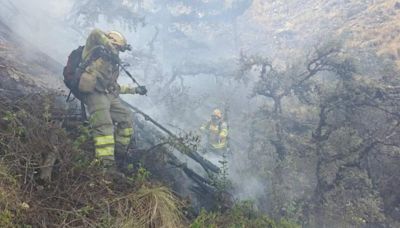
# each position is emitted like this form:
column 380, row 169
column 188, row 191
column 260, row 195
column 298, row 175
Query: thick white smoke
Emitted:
column 43, row 24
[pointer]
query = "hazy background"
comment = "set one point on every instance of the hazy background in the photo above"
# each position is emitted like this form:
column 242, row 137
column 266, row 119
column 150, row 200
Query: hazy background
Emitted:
column 190, row 56
column 48, row 26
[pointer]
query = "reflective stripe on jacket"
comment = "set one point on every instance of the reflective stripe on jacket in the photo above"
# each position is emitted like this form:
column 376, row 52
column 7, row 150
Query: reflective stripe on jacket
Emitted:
column 216, row 134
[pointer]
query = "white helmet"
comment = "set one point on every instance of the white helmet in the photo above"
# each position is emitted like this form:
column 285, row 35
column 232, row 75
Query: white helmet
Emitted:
column 117, row 39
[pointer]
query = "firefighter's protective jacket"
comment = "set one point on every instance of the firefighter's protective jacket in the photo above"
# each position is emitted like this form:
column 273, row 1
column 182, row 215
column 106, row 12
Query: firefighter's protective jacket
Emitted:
column 216, row 134
column 102, row 73
column 110, row 120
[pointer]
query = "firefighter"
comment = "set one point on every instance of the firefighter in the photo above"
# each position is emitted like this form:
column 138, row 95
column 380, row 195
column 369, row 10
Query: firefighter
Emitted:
column 216, row 130
column 111, row 122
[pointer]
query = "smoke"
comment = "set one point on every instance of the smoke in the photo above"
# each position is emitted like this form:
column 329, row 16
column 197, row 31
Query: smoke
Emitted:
column 202, row 51
column 188, row 55
column 40, row 24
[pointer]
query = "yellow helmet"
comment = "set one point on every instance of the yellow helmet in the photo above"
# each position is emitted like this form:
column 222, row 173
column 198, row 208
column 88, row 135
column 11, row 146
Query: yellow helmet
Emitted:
column 217, row 113
column 117, row 39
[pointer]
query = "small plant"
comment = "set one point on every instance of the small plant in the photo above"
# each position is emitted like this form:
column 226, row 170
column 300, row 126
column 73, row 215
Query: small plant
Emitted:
column 6, row 218
column 84, row 136
column 142, row 176
column 223, row 183
column 185, row 142
column 205, row 220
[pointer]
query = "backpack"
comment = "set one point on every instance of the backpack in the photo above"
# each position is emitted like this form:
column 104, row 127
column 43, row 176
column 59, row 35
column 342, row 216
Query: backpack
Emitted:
column 72, row 72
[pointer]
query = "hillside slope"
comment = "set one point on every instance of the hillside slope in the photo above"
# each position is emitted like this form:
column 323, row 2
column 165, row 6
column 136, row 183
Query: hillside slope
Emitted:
column 38, row 131
column 293, row 24
column 25, row 68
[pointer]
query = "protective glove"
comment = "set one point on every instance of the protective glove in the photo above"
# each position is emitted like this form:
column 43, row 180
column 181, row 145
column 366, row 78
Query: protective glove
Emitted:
column 141, row 90
column 128, row 47
column 127, row 89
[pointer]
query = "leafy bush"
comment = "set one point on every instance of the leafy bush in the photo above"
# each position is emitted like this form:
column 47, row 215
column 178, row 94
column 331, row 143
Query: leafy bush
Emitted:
column 241, row 215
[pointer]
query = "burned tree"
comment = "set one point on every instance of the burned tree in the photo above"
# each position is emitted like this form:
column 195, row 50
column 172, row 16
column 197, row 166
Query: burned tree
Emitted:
column 277, row 85
column 333, row 115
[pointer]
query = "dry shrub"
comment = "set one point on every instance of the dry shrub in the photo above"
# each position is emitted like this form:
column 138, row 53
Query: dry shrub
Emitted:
column 156, row 207
column 77, row 194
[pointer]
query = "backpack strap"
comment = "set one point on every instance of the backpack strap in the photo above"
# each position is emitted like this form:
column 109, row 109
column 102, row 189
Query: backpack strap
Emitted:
column 93, row 56
column 99, row 51
column 69, row 95
column 83, row 111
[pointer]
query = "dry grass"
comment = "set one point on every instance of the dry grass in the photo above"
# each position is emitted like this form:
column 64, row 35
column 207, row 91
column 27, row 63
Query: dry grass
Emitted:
column 156, row 207
column 374, row 26
column 76, row 195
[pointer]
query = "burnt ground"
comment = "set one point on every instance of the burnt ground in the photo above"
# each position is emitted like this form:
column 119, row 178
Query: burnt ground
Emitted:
column 25, row 69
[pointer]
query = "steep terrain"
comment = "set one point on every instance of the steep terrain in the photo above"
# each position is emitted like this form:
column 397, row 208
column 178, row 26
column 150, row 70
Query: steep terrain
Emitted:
column 313, row 114
column 371, row 25
column 25, row 70
column 23, row 67
column 335, row 180
column 40, row 133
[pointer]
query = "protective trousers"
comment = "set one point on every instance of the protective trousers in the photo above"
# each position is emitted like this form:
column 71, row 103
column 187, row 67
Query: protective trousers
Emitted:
column 107, row 111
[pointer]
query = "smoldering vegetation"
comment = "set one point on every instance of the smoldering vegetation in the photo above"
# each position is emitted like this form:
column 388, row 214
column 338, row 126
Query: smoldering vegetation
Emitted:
column 309, row 88
column 46, row 180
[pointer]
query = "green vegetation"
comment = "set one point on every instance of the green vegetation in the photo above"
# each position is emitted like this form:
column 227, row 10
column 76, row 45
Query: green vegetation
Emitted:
column 241, row 215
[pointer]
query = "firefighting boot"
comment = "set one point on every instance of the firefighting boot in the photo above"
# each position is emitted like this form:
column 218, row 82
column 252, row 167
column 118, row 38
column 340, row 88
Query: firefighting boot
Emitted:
column 110, row 171
column 122, row 159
